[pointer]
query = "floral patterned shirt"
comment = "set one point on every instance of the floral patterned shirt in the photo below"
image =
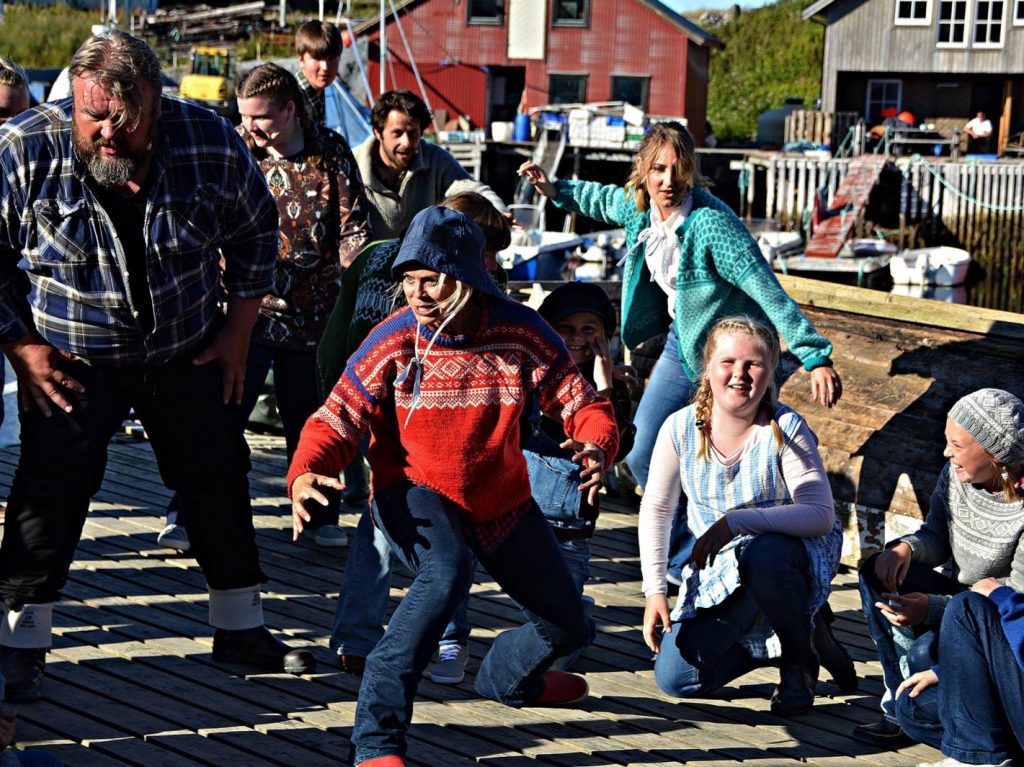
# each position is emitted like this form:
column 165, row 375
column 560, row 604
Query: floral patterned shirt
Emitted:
column 323, row 226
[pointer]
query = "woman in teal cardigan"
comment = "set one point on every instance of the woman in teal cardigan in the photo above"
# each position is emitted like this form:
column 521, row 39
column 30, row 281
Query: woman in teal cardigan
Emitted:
column 690, row 262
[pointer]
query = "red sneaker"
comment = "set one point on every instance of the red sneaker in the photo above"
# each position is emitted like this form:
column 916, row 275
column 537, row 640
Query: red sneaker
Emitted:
column 562, row 688
column 391, row 760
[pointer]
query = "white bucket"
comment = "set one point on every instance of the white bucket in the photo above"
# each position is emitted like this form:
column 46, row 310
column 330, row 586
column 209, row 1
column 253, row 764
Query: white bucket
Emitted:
column 501, row 131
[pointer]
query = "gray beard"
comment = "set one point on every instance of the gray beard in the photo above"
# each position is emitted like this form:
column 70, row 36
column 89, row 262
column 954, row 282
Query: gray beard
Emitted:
column 111, row 172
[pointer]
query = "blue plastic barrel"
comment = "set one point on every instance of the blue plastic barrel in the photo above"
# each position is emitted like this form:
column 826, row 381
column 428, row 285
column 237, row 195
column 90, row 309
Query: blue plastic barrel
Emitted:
column 521, row 129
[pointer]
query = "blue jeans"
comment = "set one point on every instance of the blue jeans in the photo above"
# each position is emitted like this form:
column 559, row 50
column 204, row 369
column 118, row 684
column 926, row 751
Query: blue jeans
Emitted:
column 668, row 390
column 36, row 758
column 703, row 653
column 425, row 531
column 555, row 482
column 363, row 598
column 894, row 642
column 976, row 712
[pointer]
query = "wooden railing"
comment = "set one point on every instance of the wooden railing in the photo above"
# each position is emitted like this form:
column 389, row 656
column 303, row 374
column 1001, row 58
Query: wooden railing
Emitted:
column 823, row 128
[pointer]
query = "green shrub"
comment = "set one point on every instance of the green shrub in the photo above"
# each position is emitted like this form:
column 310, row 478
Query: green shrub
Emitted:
column 37, row 36
column 771, row 54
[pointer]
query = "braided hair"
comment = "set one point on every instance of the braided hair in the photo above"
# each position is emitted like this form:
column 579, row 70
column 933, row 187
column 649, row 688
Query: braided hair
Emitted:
column 280, row 86
column 704, row 399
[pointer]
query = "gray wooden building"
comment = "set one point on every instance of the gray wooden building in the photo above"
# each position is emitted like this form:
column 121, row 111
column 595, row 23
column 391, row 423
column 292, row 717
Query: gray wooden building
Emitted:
column 934, row 58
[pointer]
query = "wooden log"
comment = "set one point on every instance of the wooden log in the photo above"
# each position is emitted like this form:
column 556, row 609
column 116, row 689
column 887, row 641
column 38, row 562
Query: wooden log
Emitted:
column 904, row 362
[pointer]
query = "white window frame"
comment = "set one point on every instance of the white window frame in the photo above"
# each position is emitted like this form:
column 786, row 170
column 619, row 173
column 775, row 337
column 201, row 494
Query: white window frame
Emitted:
column 1018, row 13
column 912, row 22
column 968, row 24
column 869, row 114
column 989, row 23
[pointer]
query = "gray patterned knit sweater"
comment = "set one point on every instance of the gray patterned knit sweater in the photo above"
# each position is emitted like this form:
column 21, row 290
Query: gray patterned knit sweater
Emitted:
column 981, row 532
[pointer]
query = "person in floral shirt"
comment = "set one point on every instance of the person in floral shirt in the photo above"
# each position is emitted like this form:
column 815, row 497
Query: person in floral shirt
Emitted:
column 323, row 225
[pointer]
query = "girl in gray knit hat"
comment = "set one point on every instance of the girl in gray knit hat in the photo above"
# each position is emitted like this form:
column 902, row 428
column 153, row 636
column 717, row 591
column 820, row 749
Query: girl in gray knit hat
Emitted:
column 975, row 526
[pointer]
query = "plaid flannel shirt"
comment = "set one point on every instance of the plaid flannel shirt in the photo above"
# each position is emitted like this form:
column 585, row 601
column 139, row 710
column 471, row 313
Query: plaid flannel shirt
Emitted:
column 63, row 272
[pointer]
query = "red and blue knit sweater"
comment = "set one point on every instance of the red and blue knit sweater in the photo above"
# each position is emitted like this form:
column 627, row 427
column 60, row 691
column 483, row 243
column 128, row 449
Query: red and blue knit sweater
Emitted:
column 462, row 439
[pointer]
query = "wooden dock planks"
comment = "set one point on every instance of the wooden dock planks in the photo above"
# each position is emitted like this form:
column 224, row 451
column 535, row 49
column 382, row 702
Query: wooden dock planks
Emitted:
column 130, row 681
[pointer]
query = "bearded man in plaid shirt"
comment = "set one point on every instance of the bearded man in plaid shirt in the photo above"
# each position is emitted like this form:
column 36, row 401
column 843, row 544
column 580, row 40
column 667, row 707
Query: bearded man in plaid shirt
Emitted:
column 116, row 208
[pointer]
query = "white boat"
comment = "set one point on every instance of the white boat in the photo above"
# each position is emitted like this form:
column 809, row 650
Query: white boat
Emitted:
column 940, row 265
column 779, row 244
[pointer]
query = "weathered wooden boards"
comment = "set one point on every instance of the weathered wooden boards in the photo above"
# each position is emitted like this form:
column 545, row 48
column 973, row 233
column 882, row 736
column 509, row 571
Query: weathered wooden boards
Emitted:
column 904, row 362
column 130, row 681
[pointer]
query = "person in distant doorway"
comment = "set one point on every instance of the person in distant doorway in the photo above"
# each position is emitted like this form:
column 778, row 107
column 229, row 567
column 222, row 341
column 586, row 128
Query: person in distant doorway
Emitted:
column 979, row 131
column 318, row 46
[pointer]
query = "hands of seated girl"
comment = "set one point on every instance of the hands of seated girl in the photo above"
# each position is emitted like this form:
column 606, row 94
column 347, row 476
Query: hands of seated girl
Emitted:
column 592, row 458
column 892, row 565
column 656, row 612
column 986, row 585
column 918, row 683
column 826, row 388
column 904, row 609
column 304, row 488
column 709, row 544
column 628, row 374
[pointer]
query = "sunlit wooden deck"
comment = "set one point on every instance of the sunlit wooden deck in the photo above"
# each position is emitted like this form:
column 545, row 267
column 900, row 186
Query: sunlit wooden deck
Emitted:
column 130, row 680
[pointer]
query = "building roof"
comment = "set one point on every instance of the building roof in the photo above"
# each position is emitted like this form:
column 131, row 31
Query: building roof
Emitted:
column 693, row 32
column 815, row 8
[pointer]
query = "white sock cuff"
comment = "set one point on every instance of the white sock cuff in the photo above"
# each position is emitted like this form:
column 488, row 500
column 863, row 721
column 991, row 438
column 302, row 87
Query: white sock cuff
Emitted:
column 30, row 627
column 236, row 609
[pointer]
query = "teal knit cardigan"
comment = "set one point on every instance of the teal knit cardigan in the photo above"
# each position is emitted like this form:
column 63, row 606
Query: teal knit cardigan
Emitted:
column 721, row 273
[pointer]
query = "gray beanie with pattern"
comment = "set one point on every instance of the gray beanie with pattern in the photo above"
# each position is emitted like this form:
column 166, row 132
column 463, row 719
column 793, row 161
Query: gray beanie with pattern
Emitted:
column 995, row 418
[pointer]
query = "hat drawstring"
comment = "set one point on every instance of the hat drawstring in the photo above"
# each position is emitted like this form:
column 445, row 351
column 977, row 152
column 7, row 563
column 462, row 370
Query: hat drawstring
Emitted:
column 417, row 363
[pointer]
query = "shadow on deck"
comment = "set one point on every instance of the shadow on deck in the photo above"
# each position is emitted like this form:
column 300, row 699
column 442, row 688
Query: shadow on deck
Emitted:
column 130, row 680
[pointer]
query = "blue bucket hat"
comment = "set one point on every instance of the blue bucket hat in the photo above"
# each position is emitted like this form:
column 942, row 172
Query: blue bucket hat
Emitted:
column 448, row 242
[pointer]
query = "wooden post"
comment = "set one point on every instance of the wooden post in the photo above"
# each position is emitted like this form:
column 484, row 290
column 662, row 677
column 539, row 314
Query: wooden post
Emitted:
column 1004, row 118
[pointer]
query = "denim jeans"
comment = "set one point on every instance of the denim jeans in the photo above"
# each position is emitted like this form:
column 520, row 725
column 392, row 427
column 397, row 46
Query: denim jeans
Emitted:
column 703, row 653
column 425, row 531
column 975, row 714
column 555, row 482
column 894, row 642
column 30, row 758
column 668, row 390
column 363, row 598
column 298, row 397
column 200, row 451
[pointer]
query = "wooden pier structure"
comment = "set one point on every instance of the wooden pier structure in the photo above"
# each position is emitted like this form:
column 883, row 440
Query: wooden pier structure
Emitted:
column 839, row 215
column 130, row 681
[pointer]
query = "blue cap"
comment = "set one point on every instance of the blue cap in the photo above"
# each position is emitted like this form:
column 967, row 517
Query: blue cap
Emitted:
column 448, row 242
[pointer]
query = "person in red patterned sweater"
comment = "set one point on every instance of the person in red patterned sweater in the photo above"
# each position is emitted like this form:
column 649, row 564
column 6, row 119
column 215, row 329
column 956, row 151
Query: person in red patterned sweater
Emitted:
column 440, row 385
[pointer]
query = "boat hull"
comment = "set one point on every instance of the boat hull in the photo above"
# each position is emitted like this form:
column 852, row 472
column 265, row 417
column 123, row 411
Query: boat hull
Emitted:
column 940, row 265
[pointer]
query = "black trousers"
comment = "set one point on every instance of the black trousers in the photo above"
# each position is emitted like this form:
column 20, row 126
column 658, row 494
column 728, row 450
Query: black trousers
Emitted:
column 200, row 450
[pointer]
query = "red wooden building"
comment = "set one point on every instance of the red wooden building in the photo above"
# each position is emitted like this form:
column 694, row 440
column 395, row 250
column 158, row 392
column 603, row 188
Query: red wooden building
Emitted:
column 477, row 56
